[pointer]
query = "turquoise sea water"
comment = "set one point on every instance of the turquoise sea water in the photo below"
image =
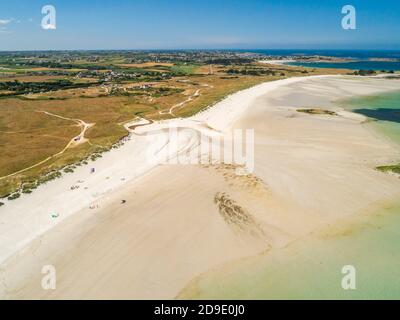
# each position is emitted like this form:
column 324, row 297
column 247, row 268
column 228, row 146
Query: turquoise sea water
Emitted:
column 311, row 268
column 361, row 59
column 353, row 65
column 385, row 109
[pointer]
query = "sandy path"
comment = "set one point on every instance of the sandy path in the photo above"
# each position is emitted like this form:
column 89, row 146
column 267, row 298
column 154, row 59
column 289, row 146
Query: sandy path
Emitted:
column 180, row 221
column 131, row 126
column 77, row 140
column 181, row 104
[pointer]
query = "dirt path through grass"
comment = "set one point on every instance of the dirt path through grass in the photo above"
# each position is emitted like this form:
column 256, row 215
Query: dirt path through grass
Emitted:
column 181, row 104
column 77, row 140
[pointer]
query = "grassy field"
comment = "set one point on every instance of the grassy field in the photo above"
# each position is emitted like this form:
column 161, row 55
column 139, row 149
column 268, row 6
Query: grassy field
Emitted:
column 184, row 69
column 28, row 136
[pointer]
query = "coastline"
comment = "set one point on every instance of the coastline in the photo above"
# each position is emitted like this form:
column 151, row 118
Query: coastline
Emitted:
column 277, row 62
column 367, row 240
column 284, row 138
column 27, row 218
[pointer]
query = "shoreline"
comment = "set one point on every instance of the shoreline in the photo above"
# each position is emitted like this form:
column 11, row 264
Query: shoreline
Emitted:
column 112, row 171
column 300, row 260
column 284, row 138
column 277, row 62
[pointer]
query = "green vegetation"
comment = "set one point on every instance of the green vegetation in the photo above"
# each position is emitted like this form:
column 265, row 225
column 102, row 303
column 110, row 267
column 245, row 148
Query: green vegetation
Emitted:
column 106, row 89
column 183, row 69
column 252, row 71
column 36, row 87
column 14, row 196
column 392, row 168
column 317, row 111
column 155, row 92
column 230, row 61
column 364, row 73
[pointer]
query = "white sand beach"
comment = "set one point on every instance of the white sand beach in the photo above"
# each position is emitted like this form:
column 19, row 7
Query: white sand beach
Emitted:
column 277, row 62
column 153, row 228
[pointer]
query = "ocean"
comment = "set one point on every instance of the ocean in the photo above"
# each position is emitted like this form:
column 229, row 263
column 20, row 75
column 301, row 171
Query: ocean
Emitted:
column 361, row 58
column 383, row 109
column 311, row 268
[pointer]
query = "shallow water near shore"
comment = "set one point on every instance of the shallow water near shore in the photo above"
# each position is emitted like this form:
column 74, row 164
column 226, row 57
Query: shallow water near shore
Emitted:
column 311, row 268
column 383, row 108
column 352, row 65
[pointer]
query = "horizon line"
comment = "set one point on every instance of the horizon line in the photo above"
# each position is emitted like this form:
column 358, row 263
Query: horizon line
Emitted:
column 202, row 49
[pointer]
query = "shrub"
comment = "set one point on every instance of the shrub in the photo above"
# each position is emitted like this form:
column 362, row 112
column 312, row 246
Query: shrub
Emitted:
column 14, row 196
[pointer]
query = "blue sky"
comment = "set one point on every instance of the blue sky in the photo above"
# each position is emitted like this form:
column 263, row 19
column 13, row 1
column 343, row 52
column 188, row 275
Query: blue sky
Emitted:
column 200, row 24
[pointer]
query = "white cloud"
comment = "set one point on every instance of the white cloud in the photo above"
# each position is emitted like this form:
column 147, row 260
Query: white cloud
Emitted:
column 3, row 26
column 5, row 21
